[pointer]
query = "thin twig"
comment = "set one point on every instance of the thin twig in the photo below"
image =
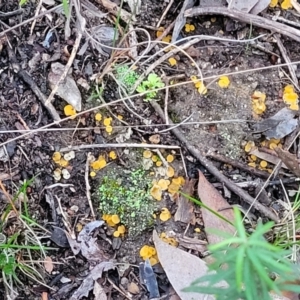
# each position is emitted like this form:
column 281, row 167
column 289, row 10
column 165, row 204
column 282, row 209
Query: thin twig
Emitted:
column 166, row 100
column 128, row 145
column 8, row 15
column 87, row 184
column 28, row 79
column 287, row 60
column 164, row 13
column 38, row 8
column 239, row 165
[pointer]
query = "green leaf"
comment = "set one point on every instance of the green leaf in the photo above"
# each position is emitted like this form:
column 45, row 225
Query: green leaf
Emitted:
column 140, row 89
column 152, row 77
column 3, row 260
column 9, row 268
column 239, row 267
column 66, row 7
column 265, row 280
column 239, row 224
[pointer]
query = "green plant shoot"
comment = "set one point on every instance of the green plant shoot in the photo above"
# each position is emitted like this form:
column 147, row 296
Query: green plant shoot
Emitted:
column 153, row 82
column 243, row 264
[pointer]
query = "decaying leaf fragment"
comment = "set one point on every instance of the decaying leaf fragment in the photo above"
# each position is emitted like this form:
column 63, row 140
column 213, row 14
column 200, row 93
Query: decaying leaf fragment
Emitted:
column 279, row 125
column 185, row 209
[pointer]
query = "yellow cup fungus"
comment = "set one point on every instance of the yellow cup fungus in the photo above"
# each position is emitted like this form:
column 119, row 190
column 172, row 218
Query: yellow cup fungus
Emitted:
column 170, row 158
column 172, row 61
column 258, row 102
column 165, row 214
column 147, row 154
column 98, row 117
column 224, row 82
column 189, row 27
column 69, row 110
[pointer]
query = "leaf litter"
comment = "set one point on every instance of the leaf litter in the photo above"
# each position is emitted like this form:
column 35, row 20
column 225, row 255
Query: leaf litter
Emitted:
column 86, row 243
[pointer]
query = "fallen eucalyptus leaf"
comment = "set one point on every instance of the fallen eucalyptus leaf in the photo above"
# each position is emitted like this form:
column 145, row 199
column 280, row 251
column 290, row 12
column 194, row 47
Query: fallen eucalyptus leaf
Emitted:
column 213, row 199
column 182, row 268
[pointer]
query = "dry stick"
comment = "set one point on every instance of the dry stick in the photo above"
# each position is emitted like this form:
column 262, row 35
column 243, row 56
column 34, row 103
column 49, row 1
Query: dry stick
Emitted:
column 8, row 15
column 128, row 145
column 214, row 171
column 287, row 60
column 239, row 165
column 70, row 61
column 283, row 20
column 27, row 78
column 166, row 81
column 246, row 18
column 165, row 12
column 36, row 14
column 87, row 184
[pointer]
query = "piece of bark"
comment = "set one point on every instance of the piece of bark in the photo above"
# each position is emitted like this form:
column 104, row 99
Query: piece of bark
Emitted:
column 192, row 243
column 290, row 160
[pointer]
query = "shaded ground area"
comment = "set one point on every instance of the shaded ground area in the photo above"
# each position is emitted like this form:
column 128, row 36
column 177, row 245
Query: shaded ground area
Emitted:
column 52, row 187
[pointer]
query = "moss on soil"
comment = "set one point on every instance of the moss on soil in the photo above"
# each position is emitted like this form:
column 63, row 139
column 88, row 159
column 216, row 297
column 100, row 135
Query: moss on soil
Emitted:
column 128, row 196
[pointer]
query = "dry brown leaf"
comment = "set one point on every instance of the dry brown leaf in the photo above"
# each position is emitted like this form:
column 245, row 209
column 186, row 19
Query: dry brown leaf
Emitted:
column 48, row 264
column 181, row 267
column 290, row 160
column 213, row 199
column 185, row 209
